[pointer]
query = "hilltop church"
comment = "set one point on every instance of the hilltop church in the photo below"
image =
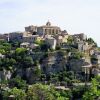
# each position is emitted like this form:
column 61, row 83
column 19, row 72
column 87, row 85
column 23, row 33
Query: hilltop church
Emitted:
column 44, row 30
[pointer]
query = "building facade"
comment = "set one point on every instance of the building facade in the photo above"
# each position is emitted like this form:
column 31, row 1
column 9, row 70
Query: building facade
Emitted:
column 44, row 30
column 16, row 36
column 79, row 37
column 52, row 42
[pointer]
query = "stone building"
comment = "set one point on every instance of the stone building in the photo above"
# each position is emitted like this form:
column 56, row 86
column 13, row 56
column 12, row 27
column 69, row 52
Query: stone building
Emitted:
column 15, row 36
column 35, row 32
column 82, row 46
column 96, row 58
column 61, row 38
column 79, row 37
column 24, row 45
column 4, row 37
column 43, row 30
column 29, row 45
column 30, row 38
column 96, row 71
column 31, row 28
column 52, row 42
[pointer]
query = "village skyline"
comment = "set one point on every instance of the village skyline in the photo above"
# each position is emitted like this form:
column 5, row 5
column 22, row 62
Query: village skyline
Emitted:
column 75, row 16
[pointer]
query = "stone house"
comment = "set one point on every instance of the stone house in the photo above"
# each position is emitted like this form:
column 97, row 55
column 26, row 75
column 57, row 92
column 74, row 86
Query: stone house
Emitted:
column 52, row 42
column 31, row 29
column 33, row 46
column 4, row 37
column 25, row 45
column 96, row 58
column 65, row 38
column 15, row 36
column 29, row 45
column 82, row 46
column 79, row 37
column 96, row 71
column 30, row 39
column 61, row 38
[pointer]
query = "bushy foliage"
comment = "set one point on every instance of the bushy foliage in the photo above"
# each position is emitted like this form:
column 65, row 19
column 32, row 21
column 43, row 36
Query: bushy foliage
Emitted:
column 70, row 40
column 91, row 41
column 78, row 91
column 77, row 55
column 16, row 94
column 17, row 82
column 5, row 47
column 94, row 91
column 45, row 92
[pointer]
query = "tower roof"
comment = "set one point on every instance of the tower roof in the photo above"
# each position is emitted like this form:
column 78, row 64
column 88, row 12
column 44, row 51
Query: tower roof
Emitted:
column 48, row 24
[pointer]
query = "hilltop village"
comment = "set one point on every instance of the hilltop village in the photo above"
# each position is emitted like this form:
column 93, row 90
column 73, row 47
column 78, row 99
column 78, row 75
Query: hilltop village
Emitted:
column 48, row 55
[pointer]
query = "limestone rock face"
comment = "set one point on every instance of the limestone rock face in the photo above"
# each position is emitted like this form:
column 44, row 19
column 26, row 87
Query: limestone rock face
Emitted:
column 76, row 64
column 53, row 64
column 5, row 74
column 28, row 74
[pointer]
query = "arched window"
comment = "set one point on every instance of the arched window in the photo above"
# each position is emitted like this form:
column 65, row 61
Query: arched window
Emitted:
column 56, row 31
column 53, row 31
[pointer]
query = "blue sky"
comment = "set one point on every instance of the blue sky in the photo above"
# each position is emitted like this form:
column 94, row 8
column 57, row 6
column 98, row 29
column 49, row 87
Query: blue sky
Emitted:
column 76, row 16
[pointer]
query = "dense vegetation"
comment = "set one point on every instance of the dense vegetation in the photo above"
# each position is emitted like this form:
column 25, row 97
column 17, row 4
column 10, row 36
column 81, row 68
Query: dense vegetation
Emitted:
column 44, row 84
column 21, row 91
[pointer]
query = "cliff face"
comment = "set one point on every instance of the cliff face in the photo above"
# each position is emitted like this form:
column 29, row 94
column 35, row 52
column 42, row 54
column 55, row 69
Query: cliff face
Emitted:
column 27, row 74
column 5, row 74
column 50, row 62
column 76, row 64
column 54, row 63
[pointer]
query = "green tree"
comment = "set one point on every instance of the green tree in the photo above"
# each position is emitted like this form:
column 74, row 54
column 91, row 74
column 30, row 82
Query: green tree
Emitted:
column 78, row 91
column 7, row 63
column 77, row 55
column 70, row 40
column 40, row 92
column 5, row 47
column 27, row 61
column 44, row 46
column 18, row 82
column 23, row 59
column 91, row 41
column 94, row 91
column 47, row 92
column 18, row 94
column 21, row 51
